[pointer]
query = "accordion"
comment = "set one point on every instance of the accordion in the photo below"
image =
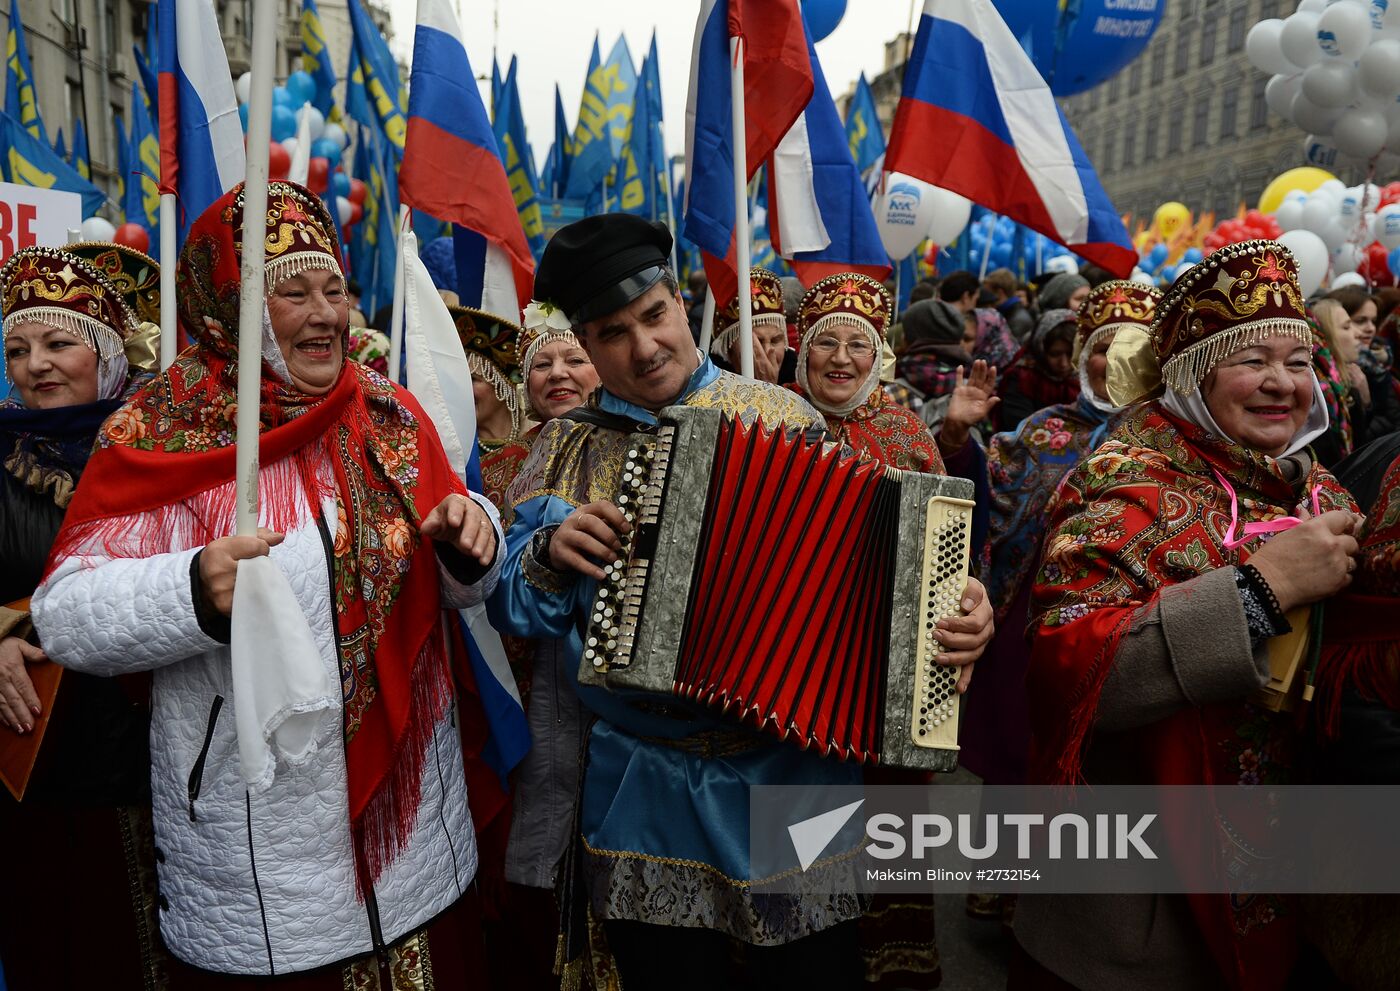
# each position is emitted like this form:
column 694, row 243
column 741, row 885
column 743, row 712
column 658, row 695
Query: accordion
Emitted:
column 787, row 583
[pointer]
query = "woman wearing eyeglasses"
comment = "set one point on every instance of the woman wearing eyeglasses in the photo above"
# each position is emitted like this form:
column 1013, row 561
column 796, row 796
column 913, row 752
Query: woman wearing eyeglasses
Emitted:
column 842, row 323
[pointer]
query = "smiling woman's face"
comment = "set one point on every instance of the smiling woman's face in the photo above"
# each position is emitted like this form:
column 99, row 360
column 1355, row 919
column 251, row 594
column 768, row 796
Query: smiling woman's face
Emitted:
column 309, row 314
column 50, row 367
column 560, row 377
column 1260, row 396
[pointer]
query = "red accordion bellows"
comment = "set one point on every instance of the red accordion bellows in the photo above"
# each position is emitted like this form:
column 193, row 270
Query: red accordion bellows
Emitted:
column 787, row 523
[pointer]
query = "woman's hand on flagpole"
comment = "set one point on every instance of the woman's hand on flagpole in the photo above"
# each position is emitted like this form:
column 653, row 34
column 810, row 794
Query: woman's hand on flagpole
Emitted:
column 218, row 565
column 459, row 522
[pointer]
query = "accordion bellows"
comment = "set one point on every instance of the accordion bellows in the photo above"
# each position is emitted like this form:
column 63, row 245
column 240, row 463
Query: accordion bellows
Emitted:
column 789, row 584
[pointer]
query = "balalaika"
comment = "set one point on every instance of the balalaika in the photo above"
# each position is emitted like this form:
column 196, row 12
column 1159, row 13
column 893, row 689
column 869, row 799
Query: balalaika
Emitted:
column 788, row 583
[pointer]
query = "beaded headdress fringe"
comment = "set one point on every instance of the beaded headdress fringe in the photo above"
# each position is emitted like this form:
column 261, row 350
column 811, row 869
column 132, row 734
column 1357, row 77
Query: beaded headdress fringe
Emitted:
column 279, row 270
column 1184, row 372
column 87, row 329
column 730, row 334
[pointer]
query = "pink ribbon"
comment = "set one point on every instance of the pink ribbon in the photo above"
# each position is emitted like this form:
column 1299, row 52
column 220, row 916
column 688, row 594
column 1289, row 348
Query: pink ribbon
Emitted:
column 1254, row 529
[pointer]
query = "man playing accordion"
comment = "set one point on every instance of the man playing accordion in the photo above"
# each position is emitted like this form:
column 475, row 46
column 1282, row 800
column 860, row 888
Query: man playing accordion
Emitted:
column 662, row 819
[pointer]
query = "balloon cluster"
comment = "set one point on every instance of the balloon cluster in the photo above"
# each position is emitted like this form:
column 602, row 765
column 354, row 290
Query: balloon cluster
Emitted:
column 1343, row 229
column 1254, row 225
column 995, row 237
column 908, row 211
column 130, row 235
column 1154, row 263
column 325, row 173
column 1336, row 75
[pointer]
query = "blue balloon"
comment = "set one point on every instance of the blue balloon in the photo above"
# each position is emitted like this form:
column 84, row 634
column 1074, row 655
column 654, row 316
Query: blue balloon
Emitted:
column 1098, row 40
column 340, row 183
column 281, row 98
column 284, row 123
column 1191, row 256
column 243, row 116
column 301, row 87
column 822, row 16
column 327, row 149
column 1001, row 255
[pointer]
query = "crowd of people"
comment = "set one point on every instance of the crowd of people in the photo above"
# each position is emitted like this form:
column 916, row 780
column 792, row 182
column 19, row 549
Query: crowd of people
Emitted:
column 1165, row 482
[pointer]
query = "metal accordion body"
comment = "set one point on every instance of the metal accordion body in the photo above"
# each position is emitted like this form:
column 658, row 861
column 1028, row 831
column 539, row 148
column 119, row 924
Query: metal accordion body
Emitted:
column 788, row 583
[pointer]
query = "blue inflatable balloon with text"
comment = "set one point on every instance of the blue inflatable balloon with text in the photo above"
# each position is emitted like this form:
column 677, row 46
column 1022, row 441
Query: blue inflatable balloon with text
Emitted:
column 1077, row 46
column 822, row 16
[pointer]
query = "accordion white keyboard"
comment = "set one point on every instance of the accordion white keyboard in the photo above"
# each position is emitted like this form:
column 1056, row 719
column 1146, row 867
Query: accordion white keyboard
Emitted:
column 947, row 542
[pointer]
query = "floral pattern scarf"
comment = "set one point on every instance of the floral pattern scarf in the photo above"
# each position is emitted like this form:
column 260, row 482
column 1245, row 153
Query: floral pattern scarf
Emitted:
column 1025, row 467
column 1146, row 511
column 168, row 456
column 887, row 432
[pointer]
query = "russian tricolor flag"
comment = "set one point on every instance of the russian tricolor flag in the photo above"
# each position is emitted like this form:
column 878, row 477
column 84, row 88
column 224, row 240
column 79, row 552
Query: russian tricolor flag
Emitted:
column 201, row 137
column 777, row 87
column 975, row 117
column 452, row 168
column 819, row 214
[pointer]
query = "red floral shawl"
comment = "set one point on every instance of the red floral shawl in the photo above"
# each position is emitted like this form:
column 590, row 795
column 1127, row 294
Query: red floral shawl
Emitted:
column 886, row 432
column 168, row 457
column 1143, row 512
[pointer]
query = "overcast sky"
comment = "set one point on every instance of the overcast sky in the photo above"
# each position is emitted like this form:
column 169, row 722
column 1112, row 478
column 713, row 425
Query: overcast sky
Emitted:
column 553, row 38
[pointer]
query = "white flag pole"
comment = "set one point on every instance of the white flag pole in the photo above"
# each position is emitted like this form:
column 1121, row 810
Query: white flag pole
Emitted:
column 707, row 321
column 741, row 205
column 396, row 319
column 252, row 297
column 169, row 239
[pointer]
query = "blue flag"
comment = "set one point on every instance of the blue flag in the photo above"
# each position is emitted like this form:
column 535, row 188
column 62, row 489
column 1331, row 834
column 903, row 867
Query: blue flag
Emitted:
column 356, row 101
column 60, row 147
column 863, row 132
column 146, row 66
column 372, row 251
column 640, row 190
column 316, row 58
column 592, row 155
column 560, row 153
column 509, row 128
column 386, row 99
column 142, row 202
column 29, row 161
column 496, row 85
column 80, row 161
column 20, row 101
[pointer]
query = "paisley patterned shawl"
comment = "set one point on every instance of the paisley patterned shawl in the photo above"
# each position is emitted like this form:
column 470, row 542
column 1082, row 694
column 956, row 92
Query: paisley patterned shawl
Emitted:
column 887, row 432
column 1143, row 512
column 500, row 462
column 1334, row 390
column 1361, row 648
column 1025, row 467
column 159, row 481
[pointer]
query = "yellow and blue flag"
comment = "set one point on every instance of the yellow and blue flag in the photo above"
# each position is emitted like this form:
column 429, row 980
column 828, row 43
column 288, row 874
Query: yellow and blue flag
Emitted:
column 509, row 128
column 604, row 118
column 556, row 166
column 123, row 162
column 27, row 160
column 382, row 89
column 316, row 58
column 146, row 66
column 640, row 190
column 80, row 160
column 372, row 249
column 142, row 202
column 863, row 131
column 20, row 101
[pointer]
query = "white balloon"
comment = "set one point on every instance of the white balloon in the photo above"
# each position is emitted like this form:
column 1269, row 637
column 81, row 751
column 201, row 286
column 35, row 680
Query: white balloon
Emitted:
column 1262, row 47
column 315, row 121
column 1062, row 263
column 1344, row 30
column 1360, row 132
column 1299, row 39
column 1329, row 83
column 97, row 229
column 1334, row 235
column 1378, row 72
column 1280, row 91
column 1312, row 118
column 1386, row 227
column 904, row 212
column 1346, row 258
column 243, row 87
column 1347, row 279
column 291, row 145
column 951, row 213
column 1312, row 6
column 1142, row 278
column 1311, row 255
column 1318, row 213
column 1290, row 214
column 336, row 133
column 1334, row 188
column 345, row 209
column 1322, row 153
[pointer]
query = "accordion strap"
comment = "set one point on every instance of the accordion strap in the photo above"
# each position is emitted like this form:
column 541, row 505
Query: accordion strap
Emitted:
column 609, row 421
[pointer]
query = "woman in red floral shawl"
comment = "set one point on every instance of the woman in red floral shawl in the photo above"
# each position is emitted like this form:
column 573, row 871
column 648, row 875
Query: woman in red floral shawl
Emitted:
column 338, row 861
column 1173, row 555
